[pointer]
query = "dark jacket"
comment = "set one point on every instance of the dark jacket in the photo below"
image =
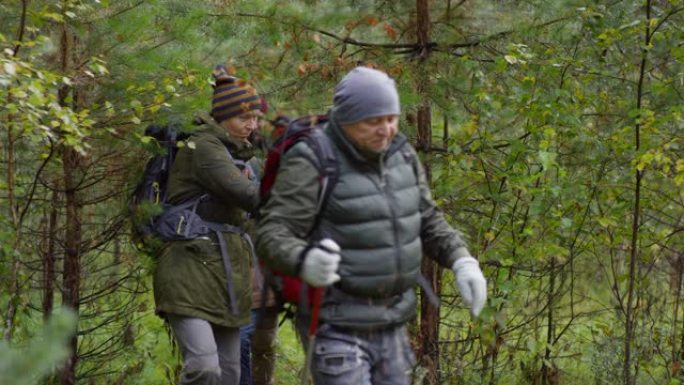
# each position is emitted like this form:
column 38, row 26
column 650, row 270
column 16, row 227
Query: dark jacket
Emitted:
column 382, row 215
column 189, row 279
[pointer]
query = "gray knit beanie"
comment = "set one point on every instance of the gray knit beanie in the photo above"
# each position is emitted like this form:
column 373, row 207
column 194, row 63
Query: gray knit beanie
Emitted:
column 365, row 93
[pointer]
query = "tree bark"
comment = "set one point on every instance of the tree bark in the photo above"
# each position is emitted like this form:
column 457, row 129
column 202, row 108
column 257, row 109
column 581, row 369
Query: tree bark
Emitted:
column 550, row 325
column 71, row 162
column 678, row 270
column 49, row 258
column 13, row 287
column 445, row 133
column 429, row 315
column 13, row 282
column 72, row 264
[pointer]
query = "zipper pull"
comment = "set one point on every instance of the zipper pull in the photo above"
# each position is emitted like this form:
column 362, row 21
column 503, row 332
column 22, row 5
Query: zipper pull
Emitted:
column 157, row 192
column 179, row 227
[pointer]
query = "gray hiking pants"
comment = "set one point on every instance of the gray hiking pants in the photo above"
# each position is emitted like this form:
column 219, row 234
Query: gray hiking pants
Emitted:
column 211, row 353
column 344, row 357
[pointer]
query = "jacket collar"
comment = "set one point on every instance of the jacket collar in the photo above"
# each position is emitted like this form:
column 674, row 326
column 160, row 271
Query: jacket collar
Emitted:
column 240, row 149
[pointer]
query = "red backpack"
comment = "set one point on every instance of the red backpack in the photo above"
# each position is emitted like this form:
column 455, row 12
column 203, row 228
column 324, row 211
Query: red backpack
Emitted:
column 310, row 130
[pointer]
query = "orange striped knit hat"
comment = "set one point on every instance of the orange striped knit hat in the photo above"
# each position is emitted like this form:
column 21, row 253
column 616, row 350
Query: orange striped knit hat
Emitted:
column 232, row 96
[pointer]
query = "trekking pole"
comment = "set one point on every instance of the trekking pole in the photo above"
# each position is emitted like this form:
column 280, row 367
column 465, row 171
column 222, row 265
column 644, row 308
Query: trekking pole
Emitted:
column 316, row 298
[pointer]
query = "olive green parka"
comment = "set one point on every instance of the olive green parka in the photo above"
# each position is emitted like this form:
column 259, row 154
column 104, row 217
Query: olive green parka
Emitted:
column 189, row 278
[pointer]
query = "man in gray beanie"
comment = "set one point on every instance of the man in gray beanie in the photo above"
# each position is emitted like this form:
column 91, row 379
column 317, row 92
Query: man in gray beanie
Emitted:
column 364, row 246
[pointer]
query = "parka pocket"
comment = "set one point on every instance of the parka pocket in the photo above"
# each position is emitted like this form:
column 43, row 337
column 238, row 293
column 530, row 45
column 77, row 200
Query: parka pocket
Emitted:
column 204, row 251
column 336, row 357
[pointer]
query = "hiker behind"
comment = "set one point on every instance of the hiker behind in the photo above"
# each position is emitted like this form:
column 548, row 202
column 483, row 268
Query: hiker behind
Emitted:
column 258, row 338
column 371, row 233
column 203, row 286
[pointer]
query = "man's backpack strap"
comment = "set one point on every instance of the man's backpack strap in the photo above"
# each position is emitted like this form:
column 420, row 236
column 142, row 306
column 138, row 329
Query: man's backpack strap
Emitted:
column 411, row 157
column 328, row 168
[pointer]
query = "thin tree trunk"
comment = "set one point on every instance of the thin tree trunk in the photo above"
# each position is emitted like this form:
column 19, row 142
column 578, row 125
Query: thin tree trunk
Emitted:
column 12, row 303
column 630, row 320
column 429, row 325
column 681, row 339
column 72, row 264
column 49, row 258
column 71, row 161
column 674, row 356
column 9, row 158
column 445, row 134
column 429, row 315
column 13, row 282
column 13, row 287
column 550, row 327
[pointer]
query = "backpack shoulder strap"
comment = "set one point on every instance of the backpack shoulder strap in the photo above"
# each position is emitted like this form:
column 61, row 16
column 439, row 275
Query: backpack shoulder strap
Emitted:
column 319, row 150
column 403, row 146
column 327, row 164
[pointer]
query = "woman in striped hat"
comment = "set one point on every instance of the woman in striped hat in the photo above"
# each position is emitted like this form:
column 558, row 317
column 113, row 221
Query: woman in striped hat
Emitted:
column 205, row 294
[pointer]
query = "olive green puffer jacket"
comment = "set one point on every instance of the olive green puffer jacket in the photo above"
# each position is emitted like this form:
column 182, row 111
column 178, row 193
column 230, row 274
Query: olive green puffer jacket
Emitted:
column 382, row 215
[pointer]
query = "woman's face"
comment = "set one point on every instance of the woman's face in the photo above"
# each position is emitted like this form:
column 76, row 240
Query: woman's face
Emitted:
column 241, row 126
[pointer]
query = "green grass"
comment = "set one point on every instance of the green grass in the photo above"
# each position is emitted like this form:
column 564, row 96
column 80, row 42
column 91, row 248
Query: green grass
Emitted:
column 289, row 356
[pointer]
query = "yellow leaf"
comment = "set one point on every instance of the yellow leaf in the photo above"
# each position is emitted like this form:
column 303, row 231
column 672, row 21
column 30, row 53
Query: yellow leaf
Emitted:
column 680, row 165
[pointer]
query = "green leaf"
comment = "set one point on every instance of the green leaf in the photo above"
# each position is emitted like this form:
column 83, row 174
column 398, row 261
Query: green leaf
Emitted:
column 548, row 159
column 607, row 222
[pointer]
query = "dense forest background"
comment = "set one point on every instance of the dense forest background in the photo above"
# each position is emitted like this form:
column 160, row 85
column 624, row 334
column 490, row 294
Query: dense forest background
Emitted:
column 553, row 132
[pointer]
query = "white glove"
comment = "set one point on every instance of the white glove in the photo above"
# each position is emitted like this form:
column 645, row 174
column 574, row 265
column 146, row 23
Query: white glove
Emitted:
column 320, row 264
column 471, row 283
